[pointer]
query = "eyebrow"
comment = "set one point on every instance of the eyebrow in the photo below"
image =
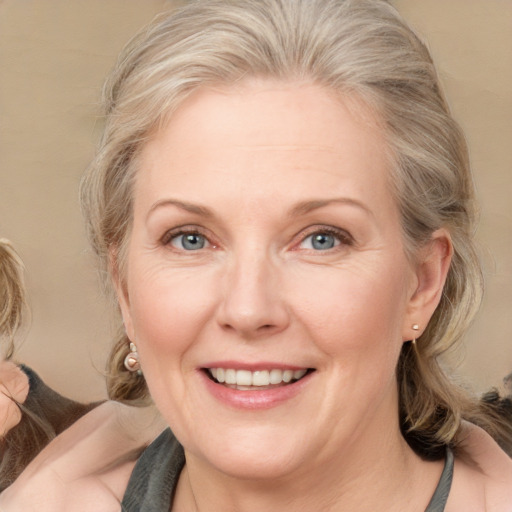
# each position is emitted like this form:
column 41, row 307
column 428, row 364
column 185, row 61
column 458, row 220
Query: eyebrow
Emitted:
column 308, row 206
column 301, row 208
column 182, row 205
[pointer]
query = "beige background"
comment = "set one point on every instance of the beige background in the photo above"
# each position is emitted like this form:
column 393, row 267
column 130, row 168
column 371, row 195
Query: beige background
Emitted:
column 54, row 55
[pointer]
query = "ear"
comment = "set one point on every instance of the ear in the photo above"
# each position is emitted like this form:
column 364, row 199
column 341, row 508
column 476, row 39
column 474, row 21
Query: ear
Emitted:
column 430, row 271
column 121, row 289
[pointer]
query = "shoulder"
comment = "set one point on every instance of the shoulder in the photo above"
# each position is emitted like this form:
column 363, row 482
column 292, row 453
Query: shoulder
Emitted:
column 482, row 475
column 88, row 466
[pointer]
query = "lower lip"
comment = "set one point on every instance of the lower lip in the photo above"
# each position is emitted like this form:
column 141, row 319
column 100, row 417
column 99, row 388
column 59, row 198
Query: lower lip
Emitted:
column 257, row 399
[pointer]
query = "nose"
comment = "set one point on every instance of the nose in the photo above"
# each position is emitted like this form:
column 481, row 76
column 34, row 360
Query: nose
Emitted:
column 252, row 298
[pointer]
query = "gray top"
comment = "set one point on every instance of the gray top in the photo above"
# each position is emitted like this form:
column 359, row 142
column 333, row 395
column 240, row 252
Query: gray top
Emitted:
column 438, row 501
column 155, row 476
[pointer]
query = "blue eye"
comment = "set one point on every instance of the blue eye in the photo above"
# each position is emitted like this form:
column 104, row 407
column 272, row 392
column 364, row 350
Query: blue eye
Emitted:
column 320, row 241
column 189, row 241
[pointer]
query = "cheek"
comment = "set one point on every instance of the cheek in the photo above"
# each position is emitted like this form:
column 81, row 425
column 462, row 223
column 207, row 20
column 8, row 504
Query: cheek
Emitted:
column 352, row 313
column 168, row 309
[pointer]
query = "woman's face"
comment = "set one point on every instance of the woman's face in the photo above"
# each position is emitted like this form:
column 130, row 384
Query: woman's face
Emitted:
column 266, row 246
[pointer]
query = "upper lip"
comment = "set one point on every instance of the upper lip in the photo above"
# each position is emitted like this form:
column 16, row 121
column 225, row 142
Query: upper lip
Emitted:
column 254, row 366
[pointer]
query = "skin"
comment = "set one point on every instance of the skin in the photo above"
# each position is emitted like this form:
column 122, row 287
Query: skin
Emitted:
column 87, row 467
column 236, row 166
column 14, row 388
column 483, row 474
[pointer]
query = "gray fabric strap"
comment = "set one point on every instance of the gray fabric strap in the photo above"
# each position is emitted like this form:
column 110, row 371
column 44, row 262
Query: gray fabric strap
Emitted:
column 440, row 497
column 155, row 476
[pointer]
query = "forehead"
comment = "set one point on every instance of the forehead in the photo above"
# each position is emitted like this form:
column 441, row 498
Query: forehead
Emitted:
column 262, row 135
column 259, row 107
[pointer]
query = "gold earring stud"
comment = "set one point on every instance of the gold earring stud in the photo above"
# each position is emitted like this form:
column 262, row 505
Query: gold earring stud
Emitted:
column 415, row 327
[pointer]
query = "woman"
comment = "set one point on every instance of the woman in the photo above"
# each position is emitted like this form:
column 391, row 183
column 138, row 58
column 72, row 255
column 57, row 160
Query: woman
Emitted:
column 284, row 205
column 32, row 414
column 13, row 381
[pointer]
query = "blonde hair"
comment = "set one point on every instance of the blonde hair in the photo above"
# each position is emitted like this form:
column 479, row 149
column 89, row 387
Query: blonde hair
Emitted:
column 12, row 295
column 358, row 48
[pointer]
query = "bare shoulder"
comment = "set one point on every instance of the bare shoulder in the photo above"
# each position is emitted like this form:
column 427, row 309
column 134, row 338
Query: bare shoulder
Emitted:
column 87, row 467
column 482, row 475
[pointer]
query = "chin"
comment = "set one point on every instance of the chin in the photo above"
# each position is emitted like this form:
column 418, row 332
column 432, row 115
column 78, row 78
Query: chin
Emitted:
column 255, row 456
column 259, row 465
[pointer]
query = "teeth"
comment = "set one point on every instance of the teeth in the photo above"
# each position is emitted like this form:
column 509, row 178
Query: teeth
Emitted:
column 287, row 375
column 276, row 376
column 258, row 378
column 230, row 377
column 243, row 378
column 298, row 374
column 261, row 378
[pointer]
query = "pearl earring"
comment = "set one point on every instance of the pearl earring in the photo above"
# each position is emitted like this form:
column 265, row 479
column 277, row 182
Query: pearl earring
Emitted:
column 131, row 361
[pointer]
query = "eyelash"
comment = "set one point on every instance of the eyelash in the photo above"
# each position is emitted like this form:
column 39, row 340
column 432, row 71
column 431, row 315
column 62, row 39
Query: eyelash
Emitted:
column 343, row 237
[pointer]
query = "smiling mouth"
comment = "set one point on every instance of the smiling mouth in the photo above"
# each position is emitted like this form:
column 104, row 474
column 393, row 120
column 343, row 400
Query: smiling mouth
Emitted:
column 246, row 380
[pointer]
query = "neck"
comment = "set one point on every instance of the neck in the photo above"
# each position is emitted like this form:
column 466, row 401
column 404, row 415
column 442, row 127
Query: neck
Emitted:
column 378, row 471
